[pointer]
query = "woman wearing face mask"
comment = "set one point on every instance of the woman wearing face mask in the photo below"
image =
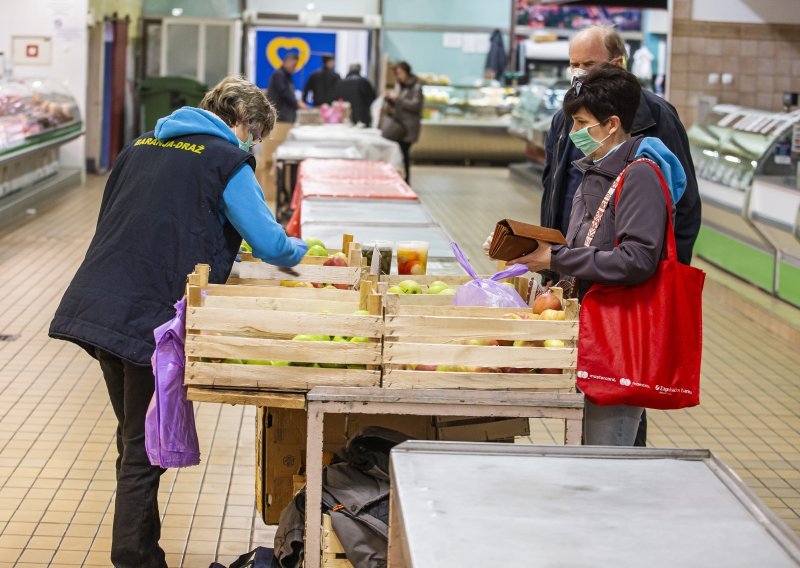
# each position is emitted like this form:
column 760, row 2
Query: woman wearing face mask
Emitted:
column 181, row 195
column 628, row 243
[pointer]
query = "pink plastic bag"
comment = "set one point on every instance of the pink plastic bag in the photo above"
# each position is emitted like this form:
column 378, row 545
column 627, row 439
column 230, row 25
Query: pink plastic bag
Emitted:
column 170, row 434
column 332, row 114
column 487, row 292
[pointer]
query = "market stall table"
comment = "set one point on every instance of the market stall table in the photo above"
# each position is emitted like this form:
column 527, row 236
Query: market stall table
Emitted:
column 465, row 504
column 289, row 155
column 369, row 140
column 422, row 402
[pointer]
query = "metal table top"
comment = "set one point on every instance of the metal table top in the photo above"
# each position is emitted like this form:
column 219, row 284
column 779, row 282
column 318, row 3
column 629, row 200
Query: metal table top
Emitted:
column 297, row 150
column 513, row 506
column 365, row 211
column 331, row 234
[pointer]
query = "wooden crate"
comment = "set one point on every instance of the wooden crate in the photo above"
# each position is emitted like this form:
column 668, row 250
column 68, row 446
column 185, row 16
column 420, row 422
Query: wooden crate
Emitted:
column 521, row 284
column 436, row 335
column 259, row 322
column 251, row 271
column 333, row 554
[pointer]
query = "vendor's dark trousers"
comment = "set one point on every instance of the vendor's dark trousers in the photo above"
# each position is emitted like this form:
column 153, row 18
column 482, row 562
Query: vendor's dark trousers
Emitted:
column 641, row 435
column 406, row 148
column 137, row 526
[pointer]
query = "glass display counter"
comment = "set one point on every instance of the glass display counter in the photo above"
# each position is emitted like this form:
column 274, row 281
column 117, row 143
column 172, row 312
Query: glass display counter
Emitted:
column 463, row 123
column 538, row 102
column 36, row 118
column 747, row 177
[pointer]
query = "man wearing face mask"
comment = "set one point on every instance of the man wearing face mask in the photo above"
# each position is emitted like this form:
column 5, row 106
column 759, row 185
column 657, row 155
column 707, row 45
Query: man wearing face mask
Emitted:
column 181, row 195
column 654, row 117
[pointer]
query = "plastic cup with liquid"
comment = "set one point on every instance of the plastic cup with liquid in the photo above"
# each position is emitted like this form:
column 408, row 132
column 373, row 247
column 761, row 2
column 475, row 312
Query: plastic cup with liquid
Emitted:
column 412, row 257
column 385, row 249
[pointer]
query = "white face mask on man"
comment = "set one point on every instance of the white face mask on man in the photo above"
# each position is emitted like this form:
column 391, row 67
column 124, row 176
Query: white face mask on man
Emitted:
column 576, row 73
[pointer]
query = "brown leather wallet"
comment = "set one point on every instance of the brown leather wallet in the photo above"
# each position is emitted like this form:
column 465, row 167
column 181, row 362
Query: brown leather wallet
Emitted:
column 513, row 239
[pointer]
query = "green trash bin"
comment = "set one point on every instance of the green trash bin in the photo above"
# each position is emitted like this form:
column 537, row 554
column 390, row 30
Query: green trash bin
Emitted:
column 159, row 96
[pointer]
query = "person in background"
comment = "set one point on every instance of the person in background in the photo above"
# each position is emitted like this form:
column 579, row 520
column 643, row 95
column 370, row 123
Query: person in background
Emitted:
column 405, row 102
column 629, row 241
column 654, row 117
column 322, row 83
column 358, row 91
column 181, row 195
column 281, row 90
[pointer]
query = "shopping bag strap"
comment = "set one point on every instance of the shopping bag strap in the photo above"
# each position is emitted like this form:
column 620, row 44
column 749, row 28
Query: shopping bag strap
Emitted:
column 672, row 253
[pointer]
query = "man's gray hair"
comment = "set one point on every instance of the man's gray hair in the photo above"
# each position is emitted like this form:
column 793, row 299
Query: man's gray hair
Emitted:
column 355, row 68
column 613, row 42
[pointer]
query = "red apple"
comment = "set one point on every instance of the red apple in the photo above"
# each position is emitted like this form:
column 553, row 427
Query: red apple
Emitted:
column 490, row 342
column 550, row 371
column 335, row 261
column 424, row 367
column 546, row 301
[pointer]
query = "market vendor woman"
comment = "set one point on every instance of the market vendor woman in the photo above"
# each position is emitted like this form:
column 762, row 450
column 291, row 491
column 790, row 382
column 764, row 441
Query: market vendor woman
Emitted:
column 181, row 195
column 629, row 241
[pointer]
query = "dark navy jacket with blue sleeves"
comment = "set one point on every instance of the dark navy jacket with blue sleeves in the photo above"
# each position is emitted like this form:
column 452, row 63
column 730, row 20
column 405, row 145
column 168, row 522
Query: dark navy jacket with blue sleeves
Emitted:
column 169, row 204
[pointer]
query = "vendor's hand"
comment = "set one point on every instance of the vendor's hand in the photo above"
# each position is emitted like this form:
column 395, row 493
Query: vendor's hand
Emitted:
column 538, row 260
column 302, row 105
column 488, row 243
column 299, row 244
column 389, row 97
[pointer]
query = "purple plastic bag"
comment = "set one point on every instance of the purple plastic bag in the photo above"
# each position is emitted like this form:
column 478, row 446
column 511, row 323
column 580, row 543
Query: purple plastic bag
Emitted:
column 170, row 435
column 487, row 292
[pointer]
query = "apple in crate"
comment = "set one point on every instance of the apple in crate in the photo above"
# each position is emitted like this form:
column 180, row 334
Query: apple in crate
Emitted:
column 553, row 315
column 317, row 250
column 486, row 342
column 447, row 292
column 429, row 368
column 396, row 290
column 554, row 343
column 336, row 261
column 410, row 287
column 314, row 242
column 551, row 371
column 255, row 362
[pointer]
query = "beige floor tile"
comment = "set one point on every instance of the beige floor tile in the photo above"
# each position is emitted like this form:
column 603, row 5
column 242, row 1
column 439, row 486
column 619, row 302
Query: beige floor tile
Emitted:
column 69, row 557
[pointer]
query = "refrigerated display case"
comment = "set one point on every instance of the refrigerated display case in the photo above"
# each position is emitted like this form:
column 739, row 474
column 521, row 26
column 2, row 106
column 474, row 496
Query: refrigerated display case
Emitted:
column 463, row 123
column 37, row 116
column 746, row 166
column 538, row 102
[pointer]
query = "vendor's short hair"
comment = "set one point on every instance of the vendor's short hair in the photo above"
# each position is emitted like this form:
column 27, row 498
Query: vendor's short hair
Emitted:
column 235, row 99
column 606, row 90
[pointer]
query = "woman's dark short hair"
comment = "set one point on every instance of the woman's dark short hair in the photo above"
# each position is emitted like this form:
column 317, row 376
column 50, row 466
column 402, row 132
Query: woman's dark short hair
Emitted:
column 605, row 91
column 404, row 66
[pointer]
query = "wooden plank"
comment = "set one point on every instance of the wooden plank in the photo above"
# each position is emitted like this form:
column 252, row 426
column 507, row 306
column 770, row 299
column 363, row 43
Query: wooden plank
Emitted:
column 282, row 292
column 237, row 397
column 257, row 349
column 305, row 273
column 425, row 279
column 483, row 328
column 282, row 304
column 478, row 355
column 396, row 379
column 448, row 398
column 421, row 299
column 257, row 377
column 485, row 431
column 330, row 542
column 460, row 311
column 254, row 322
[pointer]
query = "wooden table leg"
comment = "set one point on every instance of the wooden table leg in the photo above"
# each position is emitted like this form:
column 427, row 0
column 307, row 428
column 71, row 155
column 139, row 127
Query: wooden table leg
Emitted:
column 573, row 434
column 316, row 426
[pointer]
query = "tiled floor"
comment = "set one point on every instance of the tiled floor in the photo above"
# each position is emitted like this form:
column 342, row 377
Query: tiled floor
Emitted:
column 56, row 425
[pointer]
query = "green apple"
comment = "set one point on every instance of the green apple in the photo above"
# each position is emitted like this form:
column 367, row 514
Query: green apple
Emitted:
column 396, row 290
column 438, row 284
column 341, row 339
column 410, row 287
column 340, row 255
column 357, row 367
column 233, row 361
column 280, row 363
column 447, row 292
column 359, row 340
column 554, row 343
column 317, row 250
column 255, row 362
column 437, row 289
column 314, row 242
column 245, row 247
column 361, row 313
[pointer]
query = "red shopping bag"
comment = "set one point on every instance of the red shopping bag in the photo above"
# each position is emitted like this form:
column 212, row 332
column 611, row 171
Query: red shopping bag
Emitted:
column 641, row 345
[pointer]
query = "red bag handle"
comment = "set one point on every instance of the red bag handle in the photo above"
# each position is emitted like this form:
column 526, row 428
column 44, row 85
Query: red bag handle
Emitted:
column 670, row 236
column 672, row 248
